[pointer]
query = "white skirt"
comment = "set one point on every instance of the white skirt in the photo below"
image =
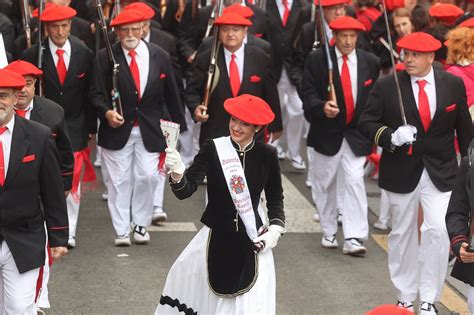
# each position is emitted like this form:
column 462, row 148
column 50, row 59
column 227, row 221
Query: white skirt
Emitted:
column 188, row 290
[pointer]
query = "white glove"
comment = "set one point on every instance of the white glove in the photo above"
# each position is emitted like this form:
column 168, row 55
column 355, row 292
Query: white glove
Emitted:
column 405, row 134
column 173, row 161
column 269, row 238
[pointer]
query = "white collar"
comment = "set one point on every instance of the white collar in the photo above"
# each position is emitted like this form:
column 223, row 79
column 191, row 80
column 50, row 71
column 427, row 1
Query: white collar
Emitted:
column 351, row 57
column 140, row 49
column 429, row 78
column 66, row 47
column 239, row 53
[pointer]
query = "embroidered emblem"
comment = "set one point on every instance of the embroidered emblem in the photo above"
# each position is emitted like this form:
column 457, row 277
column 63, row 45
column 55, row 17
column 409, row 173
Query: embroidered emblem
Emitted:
column 237, row 184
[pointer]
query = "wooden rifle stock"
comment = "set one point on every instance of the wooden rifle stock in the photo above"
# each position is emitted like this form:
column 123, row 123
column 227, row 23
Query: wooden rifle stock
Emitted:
column 214, row 52
column 25, row 14
column 331, row 90
column 40, row 46
column 114, row 93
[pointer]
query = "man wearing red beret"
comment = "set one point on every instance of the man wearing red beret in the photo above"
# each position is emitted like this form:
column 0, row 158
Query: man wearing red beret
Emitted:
column 242, row 70
column 67, row 65
column 50, row 114
column 334, row 142
column 31, row 195
column 418, row 165
column 132, row 141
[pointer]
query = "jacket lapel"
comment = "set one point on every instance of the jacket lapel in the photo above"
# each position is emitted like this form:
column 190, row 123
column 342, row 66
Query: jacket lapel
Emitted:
column 409, row 102
column 73, row 63
column 224, row 75
column 124, row 68
column 441, row 98
column 18, row 149
column 49, row 67
column 152, row 66
column 362, row 75
column 37, row 109
column 274, row 13
column 246, row 70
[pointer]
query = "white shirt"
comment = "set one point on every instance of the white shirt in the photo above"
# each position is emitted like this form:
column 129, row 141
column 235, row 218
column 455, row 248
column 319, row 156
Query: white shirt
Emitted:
column 430, row 89
column 6, row 139
column 281, row 7
column 147, row 37
column 352, row 65
column 328, row 30
column 239, row 59
column 29, row 108
column 67, row 52
column 143, row 62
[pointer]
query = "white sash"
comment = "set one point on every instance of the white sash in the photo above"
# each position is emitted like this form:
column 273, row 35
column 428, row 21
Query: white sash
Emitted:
column 236, row 183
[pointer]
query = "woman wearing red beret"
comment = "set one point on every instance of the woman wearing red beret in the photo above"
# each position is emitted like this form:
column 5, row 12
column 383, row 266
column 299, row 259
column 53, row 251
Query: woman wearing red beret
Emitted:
column 228, row 266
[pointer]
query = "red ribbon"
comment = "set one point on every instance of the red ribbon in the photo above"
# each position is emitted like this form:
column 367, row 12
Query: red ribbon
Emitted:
column 82, row 159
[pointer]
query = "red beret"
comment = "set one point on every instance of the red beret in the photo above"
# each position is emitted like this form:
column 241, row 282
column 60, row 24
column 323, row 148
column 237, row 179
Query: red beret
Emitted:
column 419, row 41
column 128, row 17
column 400, row 67
column 394, row 4
column 142, row 7
column 346, row 23
column 389, row 309
column 232, row 19
column 10, row 79
column 24, row 68
column 34, row 13
column 467, row 23
column 57, row 13
column 446, row 12
column 250, row 109
column 241, row 10
column 330, row 3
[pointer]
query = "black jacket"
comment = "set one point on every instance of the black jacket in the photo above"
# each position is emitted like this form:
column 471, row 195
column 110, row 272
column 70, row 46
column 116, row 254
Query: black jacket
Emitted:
column 32, row 194
column 326, row 134
column 282, row 38
column 256, row 80
column 51, row 115
column 459, row 219
column 160, row 99
column 73, row 96
column 400, row 172
column 262, row 171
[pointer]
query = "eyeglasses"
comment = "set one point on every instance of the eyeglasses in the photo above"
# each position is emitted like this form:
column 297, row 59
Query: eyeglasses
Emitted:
column 5, row 96
column 135, row 30
column 337, row 7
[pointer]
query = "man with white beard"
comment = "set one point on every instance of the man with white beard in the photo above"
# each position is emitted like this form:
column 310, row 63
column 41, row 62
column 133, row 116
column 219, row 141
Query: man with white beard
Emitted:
column 132, row 142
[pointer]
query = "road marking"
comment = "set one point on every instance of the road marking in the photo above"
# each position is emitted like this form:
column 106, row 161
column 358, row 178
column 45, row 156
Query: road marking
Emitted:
column 449, row 298
column 173, row 227
column 298, row 210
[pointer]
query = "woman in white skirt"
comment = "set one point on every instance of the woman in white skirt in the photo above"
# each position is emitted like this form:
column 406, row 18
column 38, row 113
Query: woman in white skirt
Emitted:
column 228, row 266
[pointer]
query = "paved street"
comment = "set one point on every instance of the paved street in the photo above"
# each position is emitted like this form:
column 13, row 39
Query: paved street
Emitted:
column 98, row 278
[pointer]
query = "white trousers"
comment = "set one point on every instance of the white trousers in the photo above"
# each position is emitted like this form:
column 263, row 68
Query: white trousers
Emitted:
column 470, row 299
column 189, row 140
column 418, row 268
column 131, row 183
column 292, row 115
column 385, row 213
column 343, row 174
column 159, row 190
column 17, row 291
column 73, row 205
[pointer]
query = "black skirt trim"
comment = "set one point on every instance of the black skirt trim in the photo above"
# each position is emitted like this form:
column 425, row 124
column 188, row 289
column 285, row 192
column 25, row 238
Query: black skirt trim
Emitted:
column 167, row 300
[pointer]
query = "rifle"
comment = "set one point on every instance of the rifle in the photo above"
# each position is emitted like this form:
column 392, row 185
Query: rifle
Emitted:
column 331, row 89
column 25, row 14
column 115, row 95
column 40, row 45
column 314, row 19
column 213, row 70
column 392, row 59
column 212, row 18
column 117, row 8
